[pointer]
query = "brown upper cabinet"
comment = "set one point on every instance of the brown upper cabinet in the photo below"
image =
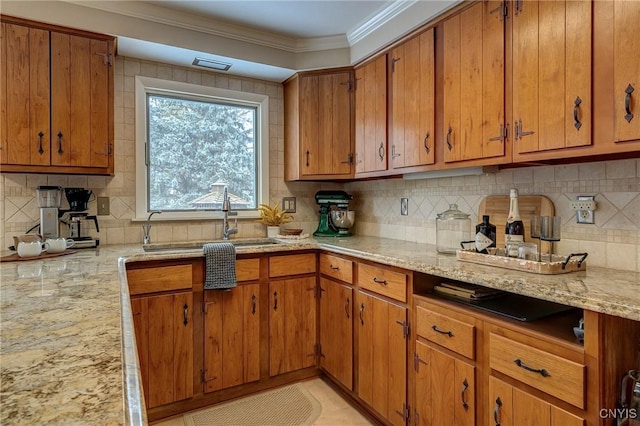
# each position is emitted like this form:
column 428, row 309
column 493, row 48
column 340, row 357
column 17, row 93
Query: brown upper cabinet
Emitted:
column 474, row 84
column 412, row 89
column 318, row 126
column 371, row 117
column 56, row 94
column 551, row 75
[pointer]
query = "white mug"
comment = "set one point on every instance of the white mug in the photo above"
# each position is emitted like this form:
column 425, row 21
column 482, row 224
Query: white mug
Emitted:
column 58, row 245
column 31, row 249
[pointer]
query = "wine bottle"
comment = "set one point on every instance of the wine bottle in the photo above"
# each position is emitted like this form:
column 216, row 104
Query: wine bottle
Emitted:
column 485, row 235
column 514, row 230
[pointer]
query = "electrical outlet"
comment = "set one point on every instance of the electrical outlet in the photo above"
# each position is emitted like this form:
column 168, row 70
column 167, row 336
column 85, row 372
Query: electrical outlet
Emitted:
column 404, row 206
column 586, row 202
column 103, row 206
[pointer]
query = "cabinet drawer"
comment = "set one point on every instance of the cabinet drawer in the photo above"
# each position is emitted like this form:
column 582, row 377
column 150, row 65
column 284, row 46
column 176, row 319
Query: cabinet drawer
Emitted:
column 162, row 278
column 247, row 269
column 383, row 281
column 553, row 374
column 296, row 264
column 336, row 267
column 447, row 332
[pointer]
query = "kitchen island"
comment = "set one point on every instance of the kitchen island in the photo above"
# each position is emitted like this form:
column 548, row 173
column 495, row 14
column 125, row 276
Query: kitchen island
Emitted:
column 68, row 350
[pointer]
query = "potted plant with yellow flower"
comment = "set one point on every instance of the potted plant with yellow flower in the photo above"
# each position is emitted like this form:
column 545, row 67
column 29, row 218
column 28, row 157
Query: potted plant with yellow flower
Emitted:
column 273, row 217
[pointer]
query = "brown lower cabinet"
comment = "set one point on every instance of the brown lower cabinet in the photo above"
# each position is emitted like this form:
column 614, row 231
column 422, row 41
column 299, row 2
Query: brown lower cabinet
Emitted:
column 396, row 351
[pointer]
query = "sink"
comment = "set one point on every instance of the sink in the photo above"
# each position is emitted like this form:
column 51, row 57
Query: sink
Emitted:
column 197, row 245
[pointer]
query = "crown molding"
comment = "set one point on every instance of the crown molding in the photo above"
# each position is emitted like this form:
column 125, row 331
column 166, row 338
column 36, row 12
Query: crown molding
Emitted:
column 377, row 21
column 194, row 22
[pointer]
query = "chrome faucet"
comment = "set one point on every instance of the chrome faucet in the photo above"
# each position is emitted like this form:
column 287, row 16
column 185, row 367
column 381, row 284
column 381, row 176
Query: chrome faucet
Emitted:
column 146, row 237
column 226, row 207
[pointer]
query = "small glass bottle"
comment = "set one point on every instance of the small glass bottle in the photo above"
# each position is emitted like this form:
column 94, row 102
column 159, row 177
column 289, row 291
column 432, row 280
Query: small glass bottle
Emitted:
column 485, row 235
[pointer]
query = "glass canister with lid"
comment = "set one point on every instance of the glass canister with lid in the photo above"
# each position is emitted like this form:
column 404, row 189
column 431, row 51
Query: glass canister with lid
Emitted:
column 452, row 228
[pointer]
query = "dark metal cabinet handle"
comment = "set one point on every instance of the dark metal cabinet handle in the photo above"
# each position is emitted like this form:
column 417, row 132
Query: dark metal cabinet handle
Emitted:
column 253, row 304
column 307, row 158
column 576, row 108
column 501, row 136
column 437, row 330
column 393, row 64
column 349, row 159
column 60, row 143
column 465, row 386
column 335, row 268
column 542, row 371
column 381, row 151
column 393, row 152
column 417, row 360
column 185, row 312
column 361, row 312
column 425, row 142
column 519, row 132
column 40, row 149
column 275, row 300
column 449, row 138
column 346, row 307
column 627, row 103
column 376, row 280
column 496, row 411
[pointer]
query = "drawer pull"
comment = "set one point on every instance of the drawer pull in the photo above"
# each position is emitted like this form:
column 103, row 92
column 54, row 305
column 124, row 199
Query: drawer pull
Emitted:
column 346, row 307
column 542, row 371
column 437, row 330
column 496, row 411
column 335, row 268
column 376, row 280
column 465, row 386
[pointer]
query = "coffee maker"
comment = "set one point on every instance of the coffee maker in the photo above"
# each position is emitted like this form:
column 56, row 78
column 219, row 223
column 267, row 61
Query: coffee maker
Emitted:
column 336, row 219
column 49, row 198
column 78, row 219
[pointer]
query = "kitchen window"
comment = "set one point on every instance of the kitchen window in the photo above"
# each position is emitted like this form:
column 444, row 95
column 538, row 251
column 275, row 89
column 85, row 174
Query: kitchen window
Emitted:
column 191, row 142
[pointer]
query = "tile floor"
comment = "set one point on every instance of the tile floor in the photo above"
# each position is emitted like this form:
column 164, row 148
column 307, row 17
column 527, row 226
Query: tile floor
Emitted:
column 335, row 410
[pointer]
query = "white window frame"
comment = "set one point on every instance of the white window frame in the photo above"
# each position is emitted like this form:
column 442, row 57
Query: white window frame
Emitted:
column 145, row 85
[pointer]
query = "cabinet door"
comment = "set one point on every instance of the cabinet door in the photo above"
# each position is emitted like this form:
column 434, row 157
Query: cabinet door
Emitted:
column 24, row 95
column 413, row 102
column 551, row 75
column 445, row 388
column 336, row 330
column 382, row 357
column 164, row 333
column 79, row 101
column 626, row 70
column 292, row 324
column 473, row 64
column 371, row 116
column 232, row 337
column 511, row 406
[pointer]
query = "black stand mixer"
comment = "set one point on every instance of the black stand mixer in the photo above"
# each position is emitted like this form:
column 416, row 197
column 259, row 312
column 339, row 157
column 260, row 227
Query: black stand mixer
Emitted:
column 336, row 219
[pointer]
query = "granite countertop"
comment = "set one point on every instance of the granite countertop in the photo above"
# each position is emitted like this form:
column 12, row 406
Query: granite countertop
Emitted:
column 67, row 348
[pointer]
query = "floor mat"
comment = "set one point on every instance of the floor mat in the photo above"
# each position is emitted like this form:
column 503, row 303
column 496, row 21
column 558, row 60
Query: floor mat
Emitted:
column 290, row 405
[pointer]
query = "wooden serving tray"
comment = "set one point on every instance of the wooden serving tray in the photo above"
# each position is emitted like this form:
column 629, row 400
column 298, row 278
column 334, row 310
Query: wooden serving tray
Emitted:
column 557, row 265
column 15, row 258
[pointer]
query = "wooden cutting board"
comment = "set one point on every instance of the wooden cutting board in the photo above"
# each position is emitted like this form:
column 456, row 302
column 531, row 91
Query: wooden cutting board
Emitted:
column 497, row 207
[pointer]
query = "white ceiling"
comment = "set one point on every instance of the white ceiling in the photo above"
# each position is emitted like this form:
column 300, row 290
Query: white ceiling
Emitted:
column 265, row 39
column 290, row 18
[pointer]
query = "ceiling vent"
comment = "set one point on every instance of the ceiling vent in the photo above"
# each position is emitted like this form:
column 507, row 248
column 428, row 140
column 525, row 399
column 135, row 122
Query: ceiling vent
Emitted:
column 211, row 64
